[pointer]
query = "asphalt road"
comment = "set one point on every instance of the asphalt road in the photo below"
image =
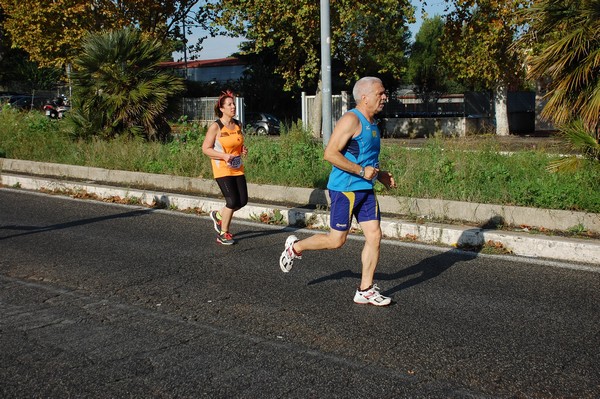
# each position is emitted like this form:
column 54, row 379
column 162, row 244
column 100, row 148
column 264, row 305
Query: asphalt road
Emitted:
column 109, row 301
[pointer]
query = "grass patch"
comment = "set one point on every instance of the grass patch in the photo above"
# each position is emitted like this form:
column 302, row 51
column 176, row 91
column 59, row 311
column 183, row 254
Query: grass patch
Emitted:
column 451, row 169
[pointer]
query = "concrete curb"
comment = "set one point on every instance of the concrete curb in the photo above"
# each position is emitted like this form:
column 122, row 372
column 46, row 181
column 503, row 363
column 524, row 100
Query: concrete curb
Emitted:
column 558, row 248
column 426, row 209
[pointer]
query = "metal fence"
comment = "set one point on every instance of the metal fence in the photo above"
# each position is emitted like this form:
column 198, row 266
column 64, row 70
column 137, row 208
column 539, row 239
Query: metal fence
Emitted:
column 462, row 105
column 202, row 109
column 521, row 108
column 411, row 106
column 340, row 104
column 472, row 105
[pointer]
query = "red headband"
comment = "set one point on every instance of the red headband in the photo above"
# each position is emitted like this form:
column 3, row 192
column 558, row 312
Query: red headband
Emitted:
column 224, row 94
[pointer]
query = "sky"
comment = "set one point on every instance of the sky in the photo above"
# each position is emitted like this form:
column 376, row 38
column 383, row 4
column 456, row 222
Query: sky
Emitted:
column 221, row 47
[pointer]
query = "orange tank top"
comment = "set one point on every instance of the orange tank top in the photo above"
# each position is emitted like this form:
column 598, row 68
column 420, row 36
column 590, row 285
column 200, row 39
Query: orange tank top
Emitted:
column 229, row 142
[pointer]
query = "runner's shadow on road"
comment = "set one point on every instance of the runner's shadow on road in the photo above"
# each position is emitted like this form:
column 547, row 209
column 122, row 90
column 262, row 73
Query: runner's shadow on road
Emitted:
column 470, row 243
column 27, row 230
column 248, row 234
column 426, row 269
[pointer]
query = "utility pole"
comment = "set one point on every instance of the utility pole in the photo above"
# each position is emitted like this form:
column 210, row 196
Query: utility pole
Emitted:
column 326, row 71
column 184, row 46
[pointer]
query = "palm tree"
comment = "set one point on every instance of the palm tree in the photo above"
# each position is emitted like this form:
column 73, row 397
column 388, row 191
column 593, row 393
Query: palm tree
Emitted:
column 567, row 33
column 119, row 88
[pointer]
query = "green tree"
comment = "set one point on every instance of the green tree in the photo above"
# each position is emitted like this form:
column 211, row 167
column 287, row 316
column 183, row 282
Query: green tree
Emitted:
column 4, row 40
column 564, row 38
column 261, row 87
column 479, row 49
column 15, row 66
column 51, row 31
column 426, row 70
column 368, row 37
column 119, row 89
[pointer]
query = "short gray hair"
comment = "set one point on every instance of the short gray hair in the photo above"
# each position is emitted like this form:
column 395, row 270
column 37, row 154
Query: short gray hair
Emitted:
column 362, row 87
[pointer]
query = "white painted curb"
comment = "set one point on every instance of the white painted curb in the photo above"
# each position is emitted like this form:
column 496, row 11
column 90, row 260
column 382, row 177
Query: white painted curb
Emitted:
column 558, row 248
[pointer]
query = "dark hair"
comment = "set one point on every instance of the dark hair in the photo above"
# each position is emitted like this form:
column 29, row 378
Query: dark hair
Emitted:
column 219, row 104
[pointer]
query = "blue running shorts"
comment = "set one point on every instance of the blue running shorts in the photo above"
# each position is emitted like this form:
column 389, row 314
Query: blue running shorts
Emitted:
column 345, row 204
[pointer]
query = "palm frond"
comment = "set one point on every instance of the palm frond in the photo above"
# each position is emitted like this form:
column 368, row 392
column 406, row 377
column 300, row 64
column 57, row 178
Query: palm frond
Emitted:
column 569, row 31
column 580, row 140
column 118, row 70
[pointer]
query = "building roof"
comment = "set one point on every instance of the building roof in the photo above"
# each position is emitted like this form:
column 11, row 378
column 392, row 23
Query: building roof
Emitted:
column 229, row 61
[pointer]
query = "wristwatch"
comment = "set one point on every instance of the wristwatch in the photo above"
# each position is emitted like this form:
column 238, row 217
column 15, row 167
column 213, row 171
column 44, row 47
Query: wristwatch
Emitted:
column 362, row 172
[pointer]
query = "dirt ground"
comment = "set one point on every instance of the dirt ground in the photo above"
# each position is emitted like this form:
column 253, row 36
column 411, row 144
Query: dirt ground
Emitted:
column 546, row 141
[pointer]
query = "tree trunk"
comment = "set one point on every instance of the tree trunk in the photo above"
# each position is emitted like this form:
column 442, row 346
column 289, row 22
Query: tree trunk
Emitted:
column 317, row 112
column 501, row 110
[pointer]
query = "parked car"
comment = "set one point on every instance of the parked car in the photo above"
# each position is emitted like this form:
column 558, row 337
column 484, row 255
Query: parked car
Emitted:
column 19, row 101
column 262, row 123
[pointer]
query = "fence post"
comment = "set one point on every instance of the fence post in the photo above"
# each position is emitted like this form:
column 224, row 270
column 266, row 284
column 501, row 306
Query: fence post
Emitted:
column 241, row 112
column 304, row 111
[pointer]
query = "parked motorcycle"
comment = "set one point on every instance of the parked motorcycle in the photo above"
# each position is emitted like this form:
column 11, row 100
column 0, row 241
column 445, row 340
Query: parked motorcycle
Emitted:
column 57, row 107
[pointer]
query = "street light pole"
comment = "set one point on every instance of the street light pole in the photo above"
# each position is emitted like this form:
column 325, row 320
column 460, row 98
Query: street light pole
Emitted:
column 326, row 71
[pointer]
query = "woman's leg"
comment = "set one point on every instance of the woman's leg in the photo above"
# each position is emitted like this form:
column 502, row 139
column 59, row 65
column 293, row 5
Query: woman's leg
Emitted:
column 235, row 191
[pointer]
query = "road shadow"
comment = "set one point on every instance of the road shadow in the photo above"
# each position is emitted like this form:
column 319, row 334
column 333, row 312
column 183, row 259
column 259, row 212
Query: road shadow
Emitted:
column 468, row 246
column 249, row 234
column 27, row 230
column 426, row 269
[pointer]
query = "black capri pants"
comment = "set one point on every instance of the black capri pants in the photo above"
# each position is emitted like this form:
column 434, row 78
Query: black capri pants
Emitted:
column 234, row 190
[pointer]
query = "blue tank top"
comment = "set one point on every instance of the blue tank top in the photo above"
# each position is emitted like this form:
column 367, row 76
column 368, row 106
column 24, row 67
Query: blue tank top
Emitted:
column 363, row 150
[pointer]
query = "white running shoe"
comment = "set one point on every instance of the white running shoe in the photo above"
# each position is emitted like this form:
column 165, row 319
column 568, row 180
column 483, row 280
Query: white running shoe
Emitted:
column 371, row 296
column 286, row 260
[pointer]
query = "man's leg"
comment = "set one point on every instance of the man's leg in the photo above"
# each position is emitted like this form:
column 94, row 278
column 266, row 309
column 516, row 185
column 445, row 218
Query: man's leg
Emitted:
column 340, row 220
column 294, row 247
column 370, row 252
column 368, row 293
column 332, row 240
